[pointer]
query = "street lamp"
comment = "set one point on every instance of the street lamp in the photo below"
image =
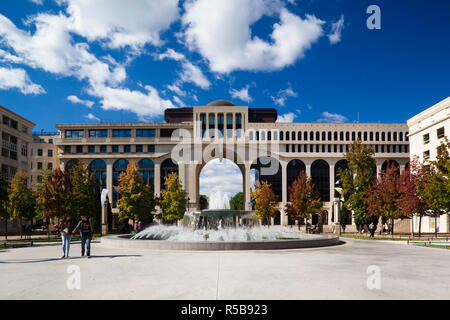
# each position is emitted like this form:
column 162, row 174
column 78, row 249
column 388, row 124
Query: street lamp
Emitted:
column 187, row 204
column 339, row 203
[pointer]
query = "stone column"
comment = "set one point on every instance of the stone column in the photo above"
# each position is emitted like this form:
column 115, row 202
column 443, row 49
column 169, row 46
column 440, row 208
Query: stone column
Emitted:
column 284, row 194
column 109, row 180
column 332, row 178
column 157, row 177
column 308, row 169
column 246, row 185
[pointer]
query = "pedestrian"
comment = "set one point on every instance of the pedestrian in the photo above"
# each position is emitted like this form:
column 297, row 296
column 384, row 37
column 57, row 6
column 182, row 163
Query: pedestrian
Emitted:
column 86, row 232
column 139, row 226
column 66, row 227
column 372, row 229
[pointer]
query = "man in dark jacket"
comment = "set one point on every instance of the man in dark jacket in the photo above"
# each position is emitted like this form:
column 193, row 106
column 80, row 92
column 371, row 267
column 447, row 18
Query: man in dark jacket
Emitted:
column 86, row 232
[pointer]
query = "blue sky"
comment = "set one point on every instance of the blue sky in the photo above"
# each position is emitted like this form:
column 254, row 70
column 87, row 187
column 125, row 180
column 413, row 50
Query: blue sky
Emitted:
column 78, row 61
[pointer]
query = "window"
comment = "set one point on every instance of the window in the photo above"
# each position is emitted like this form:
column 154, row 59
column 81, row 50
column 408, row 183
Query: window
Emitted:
column 40, row 152
column 287, row 148
column 41, row 140
column 229, row 125
column 39, row 165
column 395, row 136
column 329, row 136
column 347, row 136
column 426, row 138
column 318, row 136
column 122, row 133
column 238, row 125
column 67, row 149
column 400, row 136
column 220, row 124
column 371, row 136
column 335, row 136
column 151, row 148
column 115, row 148
column 250, row 136
column 365, row 136
column 50, row 153
column 98, row 133
column 383, row 136
column 74, row 134
column 212, row 125
column 50, row 166
column 293, row 148
column 91, row 149
column 203, row 124
column 146, row 133
column 353, row 136
column 127, row 149
column 287, row 136
column 168, row 133
column 426, row 155
column 50, row 141
column 79, row 149
column 389, row 136
column 281, row 135
column 377, row 136
column 103, row 149
column 139, row 148
column 440, row 133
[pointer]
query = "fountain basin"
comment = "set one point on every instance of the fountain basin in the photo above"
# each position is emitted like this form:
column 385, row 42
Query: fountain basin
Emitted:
column 125, row 241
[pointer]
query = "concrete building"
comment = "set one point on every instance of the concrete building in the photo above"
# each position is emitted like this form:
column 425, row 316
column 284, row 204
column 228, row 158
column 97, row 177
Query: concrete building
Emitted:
column 426, row 131
column 16, row 143
column 44, row 155
column 250, row 137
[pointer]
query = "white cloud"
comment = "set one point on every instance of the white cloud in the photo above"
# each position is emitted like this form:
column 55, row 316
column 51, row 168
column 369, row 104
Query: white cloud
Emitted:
column 175, row 88
column 51, row 49
column 11, row 78
column 179, row 102
column 283, row 95
column 194, row 74
column 38, row 2
column 287, row 117
column 90, row 116
column 336, row 31
column 146, row 105
column 220, row 31
column 224, row 177
column 241, row 94
column 76, row 100
column 122, row 22
column 332, row 118
column 171, row 54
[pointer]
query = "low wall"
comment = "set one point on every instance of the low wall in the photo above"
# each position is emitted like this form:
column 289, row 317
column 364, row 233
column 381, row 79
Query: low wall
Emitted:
column 125, row 242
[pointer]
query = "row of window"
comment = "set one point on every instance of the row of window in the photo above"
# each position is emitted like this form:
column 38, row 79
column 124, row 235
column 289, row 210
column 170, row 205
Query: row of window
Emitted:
column 328, row 136
column 40, row 152
column 40, row 166
column 223, row 122
column 116, row 133
column 440, row 133
column 7, row 121
column 340, row 148
column 114, row 149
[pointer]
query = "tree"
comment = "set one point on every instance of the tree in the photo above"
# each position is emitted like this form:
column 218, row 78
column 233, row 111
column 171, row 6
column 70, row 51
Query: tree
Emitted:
column 383, row 196
column 54, row 195
column 411, row 200
column 173, row 203
column 22, row 202
column 84, row 196
column 265, row 201
column 43, row 178
column 137, row 201
column 4, row 198
column 437, row 190
column 237, row 201
column 204, row 202
column 304, row 199
column 357, row 179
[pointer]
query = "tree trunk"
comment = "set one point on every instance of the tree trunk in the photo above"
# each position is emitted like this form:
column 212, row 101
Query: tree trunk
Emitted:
column 21, row 228
column 6, row 229
column 392, row 231
column 48, row 227
column 420, row 226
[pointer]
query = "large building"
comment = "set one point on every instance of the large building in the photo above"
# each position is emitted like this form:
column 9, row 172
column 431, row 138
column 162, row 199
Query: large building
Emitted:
column 16, row 143
column 427, row 131
column 44, row 155
column 250, row 137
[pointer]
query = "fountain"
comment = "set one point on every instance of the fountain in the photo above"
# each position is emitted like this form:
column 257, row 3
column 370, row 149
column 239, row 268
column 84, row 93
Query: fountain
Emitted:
column 219, row 228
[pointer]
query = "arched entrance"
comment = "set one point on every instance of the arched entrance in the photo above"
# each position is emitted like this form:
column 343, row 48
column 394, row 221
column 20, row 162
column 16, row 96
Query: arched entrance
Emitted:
column 294, row 168
column 168, row 166
column 269, row 169
column 220, row 179
column 389, row 163
column 320, row 173
column 98, row 169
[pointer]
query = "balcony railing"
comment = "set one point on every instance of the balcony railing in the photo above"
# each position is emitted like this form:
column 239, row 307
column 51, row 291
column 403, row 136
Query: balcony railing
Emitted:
column 9, row 145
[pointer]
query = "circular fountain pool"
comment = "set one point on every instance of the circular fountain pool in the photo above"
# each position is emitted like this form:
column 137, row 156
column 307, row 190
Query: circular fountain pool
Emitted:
column 256, row 238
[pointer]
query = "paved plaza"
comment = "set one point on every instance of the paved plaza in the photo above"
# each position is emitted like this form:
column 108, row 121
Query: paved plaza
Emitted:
column 407, row 272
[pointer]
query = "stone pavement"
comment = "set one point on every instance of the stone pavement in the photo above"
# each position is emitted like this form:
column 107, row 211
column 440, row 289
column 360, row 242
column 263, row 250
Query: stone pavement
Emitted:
column 407, row 272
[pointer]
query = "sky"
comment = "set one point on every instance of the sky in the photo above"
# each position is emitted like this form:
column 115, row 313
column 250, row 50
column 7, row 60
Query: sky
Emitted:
column 86, row 61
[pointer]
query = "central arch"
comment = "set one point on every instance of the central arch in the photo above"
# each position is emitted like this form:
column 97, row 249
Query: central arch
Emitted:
column 221, row 177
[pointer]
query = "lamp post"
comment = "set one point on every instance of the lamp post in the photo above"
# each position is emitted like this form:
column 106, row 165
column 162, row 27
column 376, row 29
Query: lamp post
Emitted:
column 187, row 204
column 339, row 190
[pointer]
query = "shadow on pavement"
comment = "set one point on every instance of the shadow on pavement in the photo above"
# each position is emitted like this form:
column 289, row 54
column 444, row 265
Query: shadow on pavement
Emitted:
column 71, row 258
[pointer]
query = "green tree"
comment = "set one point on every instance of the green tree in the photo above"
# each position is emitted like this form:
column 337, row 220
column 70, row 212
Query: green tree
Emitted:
column 237, row 201
column 304, row 199
column 204, row 202
column 136, row 201
column 83, row 192
column 4, row 198
column 357, row 179
column 173, row 203
column 54, row 195
column 22, row 202
column 265, row 201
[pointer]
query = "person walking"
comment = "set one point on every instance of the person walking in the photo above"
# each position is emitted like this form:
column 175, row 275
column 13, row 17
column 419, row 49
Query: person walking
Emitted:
column 66, row 228
column 86, row 233
column 140, row 226
column 372, row 229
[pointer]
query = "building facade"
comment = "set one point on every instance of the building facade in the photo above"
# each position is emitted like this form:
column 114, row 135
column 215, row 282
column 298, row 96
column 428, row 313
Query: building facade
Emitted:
column 44, row 155
column 16, row 143
column 249, row 137
column 427, row 131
